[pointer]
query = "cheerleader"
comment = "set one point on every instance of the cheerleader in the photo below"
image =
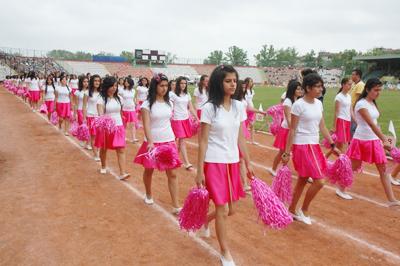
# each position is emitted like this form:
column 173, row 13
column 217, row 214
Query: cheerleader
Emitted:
column 180, row 122
column 63, row 102
column 142, row 90
column 90, row 111
column 172, row 85
column 49, row 95
column 201, row 94
column 251, row 115
column 157, row 114
column 342, row 115
column 128, row 110
column 293, row 92
column 110, row 104
column 305, row 124
column 221, row 138
column 34, row 91
column 83, row 85
column 369, row 143
column 121, row 82
column 73, row 83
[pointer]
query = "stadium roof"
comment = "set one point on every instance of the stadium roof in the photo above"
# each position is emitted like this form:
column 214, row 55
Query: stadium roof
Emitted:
column 377, row 57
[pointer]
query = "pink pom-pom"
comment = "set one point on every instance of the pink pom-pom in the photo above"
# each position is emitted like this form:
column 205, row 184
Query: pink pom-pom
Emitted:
column 27, row 94
column 282, row 184
column 194, row 212
column 166, row 157
column 106, row 123
column 54, row 118
column 43, row 109
column 20, row 92
column 74, row 129
column 83, row 133
column 340, row 172
column 274, row 127
column 395, row 153
column 194, row 125
column 270, row 209
column 326, row 143
column 275, row 111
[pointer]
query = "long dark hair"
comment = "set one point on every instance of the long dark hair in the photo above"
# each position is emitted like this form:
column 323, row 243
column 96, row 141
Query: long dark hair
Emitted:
column 371, row 83
column 152, row 94
column 201, row 84
column 247, row 82
column 239, row 92
column 91, row 84
column 140, row 83
column 310, row 80
column 342, row 83
column 80, row 82
column 66, row 84
column 170, row 84
column 47, row 83
column 178, row 89
column 32, row 75
column 107, row 83
column 291, row 89
column 130, row 82
column 216, row 84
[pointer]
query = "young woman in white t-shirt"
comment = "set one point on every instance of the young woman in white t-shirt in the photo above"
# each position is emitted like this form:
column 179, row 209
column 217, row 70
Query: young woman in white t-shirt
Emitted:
column 63, row 101
column 83, row 89
column 221, row 138
column 306, row 122
column 201, row 94
column 49, row 95
column 293, row 92
column 73, row 83
column 142, row 91
column 90, row 111
column 172, row 85
column 343, row 114
column 251, row 115
column 110, row 104
column 128, row 94
column 157, row 114
column 121, row 85
column 369, row 143
column 180, row 120
column 34, row 91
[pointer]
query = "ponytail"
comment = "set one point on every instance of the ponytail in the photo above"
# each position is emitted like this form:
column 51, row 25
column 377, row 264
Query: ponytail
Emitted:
column 371, row 83
column 344, row 81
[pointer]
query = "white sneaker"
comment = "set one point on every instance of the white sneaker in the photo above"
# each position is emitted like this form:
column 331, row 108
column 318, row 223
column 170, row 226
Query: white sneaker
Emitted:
column 205, row 232
column 271, row 171
column 89, row 147
column 225, row 262
column 82, row 144
column 148, row 201
column 103, row 171
column 310, row 180
column 124, row 177
column 393, row 203
column 176, row 211
column 395, row 182
column 343, row 195
column 303, row 218
column 97, row 159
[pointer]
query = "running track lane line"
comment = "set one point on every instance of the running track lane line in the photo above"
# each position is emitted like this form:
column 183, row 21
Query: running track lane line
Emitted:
column 204, row 244
column 335, row 231
column 139, row 194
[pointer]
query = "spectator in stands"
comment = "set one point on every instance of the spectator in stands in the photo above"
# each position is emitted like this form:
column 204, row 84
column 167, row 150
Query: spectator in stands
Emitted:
column 356, row 90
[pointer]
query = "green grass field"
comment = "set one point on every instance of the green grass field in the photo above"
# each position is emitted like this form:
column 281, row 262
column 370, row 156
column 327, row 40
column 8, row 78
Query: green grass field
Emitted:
column 388, row 104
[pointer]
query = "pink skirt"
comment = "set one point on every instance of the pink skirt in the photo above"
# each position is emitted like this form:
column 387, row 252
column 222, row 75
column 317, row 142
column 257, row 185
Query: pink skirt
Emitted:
column 110, row 141
column 140, row 157
column 89, row 122
column 369, row 151
column 246, row 132
column 80, row 116
column 281, row 138
column 73, row 90
column 181, row 128
column 343, row 131
column 251, row 116
column 63, row 110
column 309, row 161
column 34, row 96
column 223, row 182
column 129, row 116
column 198, row 113
column 50, row 106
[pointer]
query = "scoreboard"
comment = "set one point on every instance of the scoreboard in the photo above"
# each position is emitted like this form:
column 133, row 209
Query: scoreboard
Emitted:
column 145, row 56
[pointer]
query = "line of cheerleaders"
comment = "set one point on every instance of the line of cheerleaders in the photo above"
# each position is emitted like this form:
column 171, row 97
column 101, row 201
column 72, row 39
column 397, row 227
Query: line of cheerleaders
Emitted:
column 224, row 107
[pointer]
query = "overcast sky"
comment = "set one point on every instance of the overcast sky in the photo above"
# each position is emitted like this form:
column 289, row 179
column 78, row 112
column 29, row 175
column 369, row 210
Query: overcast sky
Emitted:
column 194, row 28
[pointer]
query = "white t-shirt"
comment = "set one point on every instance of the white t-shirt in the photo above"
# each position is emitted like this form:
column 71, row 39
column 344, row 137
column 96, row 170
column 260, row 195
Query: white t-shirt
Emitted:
column 287, row 102
column 49, row 95
column 310, row 115
column 42, row 83
column 113, row 109
column 224, row 132
column 344, row 106
column 249, row 98
column 142, row 93
column 34, row 85
column 201, row 98
column 129, row 99
column 181, row 105
column 73, row 83
column 81, row 94
column 160, row 121
column 363, row 130
column 92, row 104
column 63, row 94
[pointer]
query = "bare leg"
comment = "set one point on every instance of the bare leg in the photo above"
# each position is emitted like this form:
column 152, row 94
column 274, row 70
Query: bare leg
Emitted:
column 355, row 165
column 385, row 179
column 221, row 215
column 121, row 160
column 147, row 176
column 182, row 149
column 173, row 187
column 103, row 157
column 298, row 190
column 396, row 170
column 311, row 193
column 277, row 160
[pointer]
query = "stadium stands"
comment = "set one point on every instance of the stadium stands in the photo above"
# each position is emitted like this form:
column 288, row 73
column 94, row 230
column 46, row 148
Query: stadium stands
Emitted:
column 6, row 71
column 204, row 69
column 125, row 69
column 253, row 72
column 174, row 71
column 83, row 67
column 279, row 76
column 25, row 64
